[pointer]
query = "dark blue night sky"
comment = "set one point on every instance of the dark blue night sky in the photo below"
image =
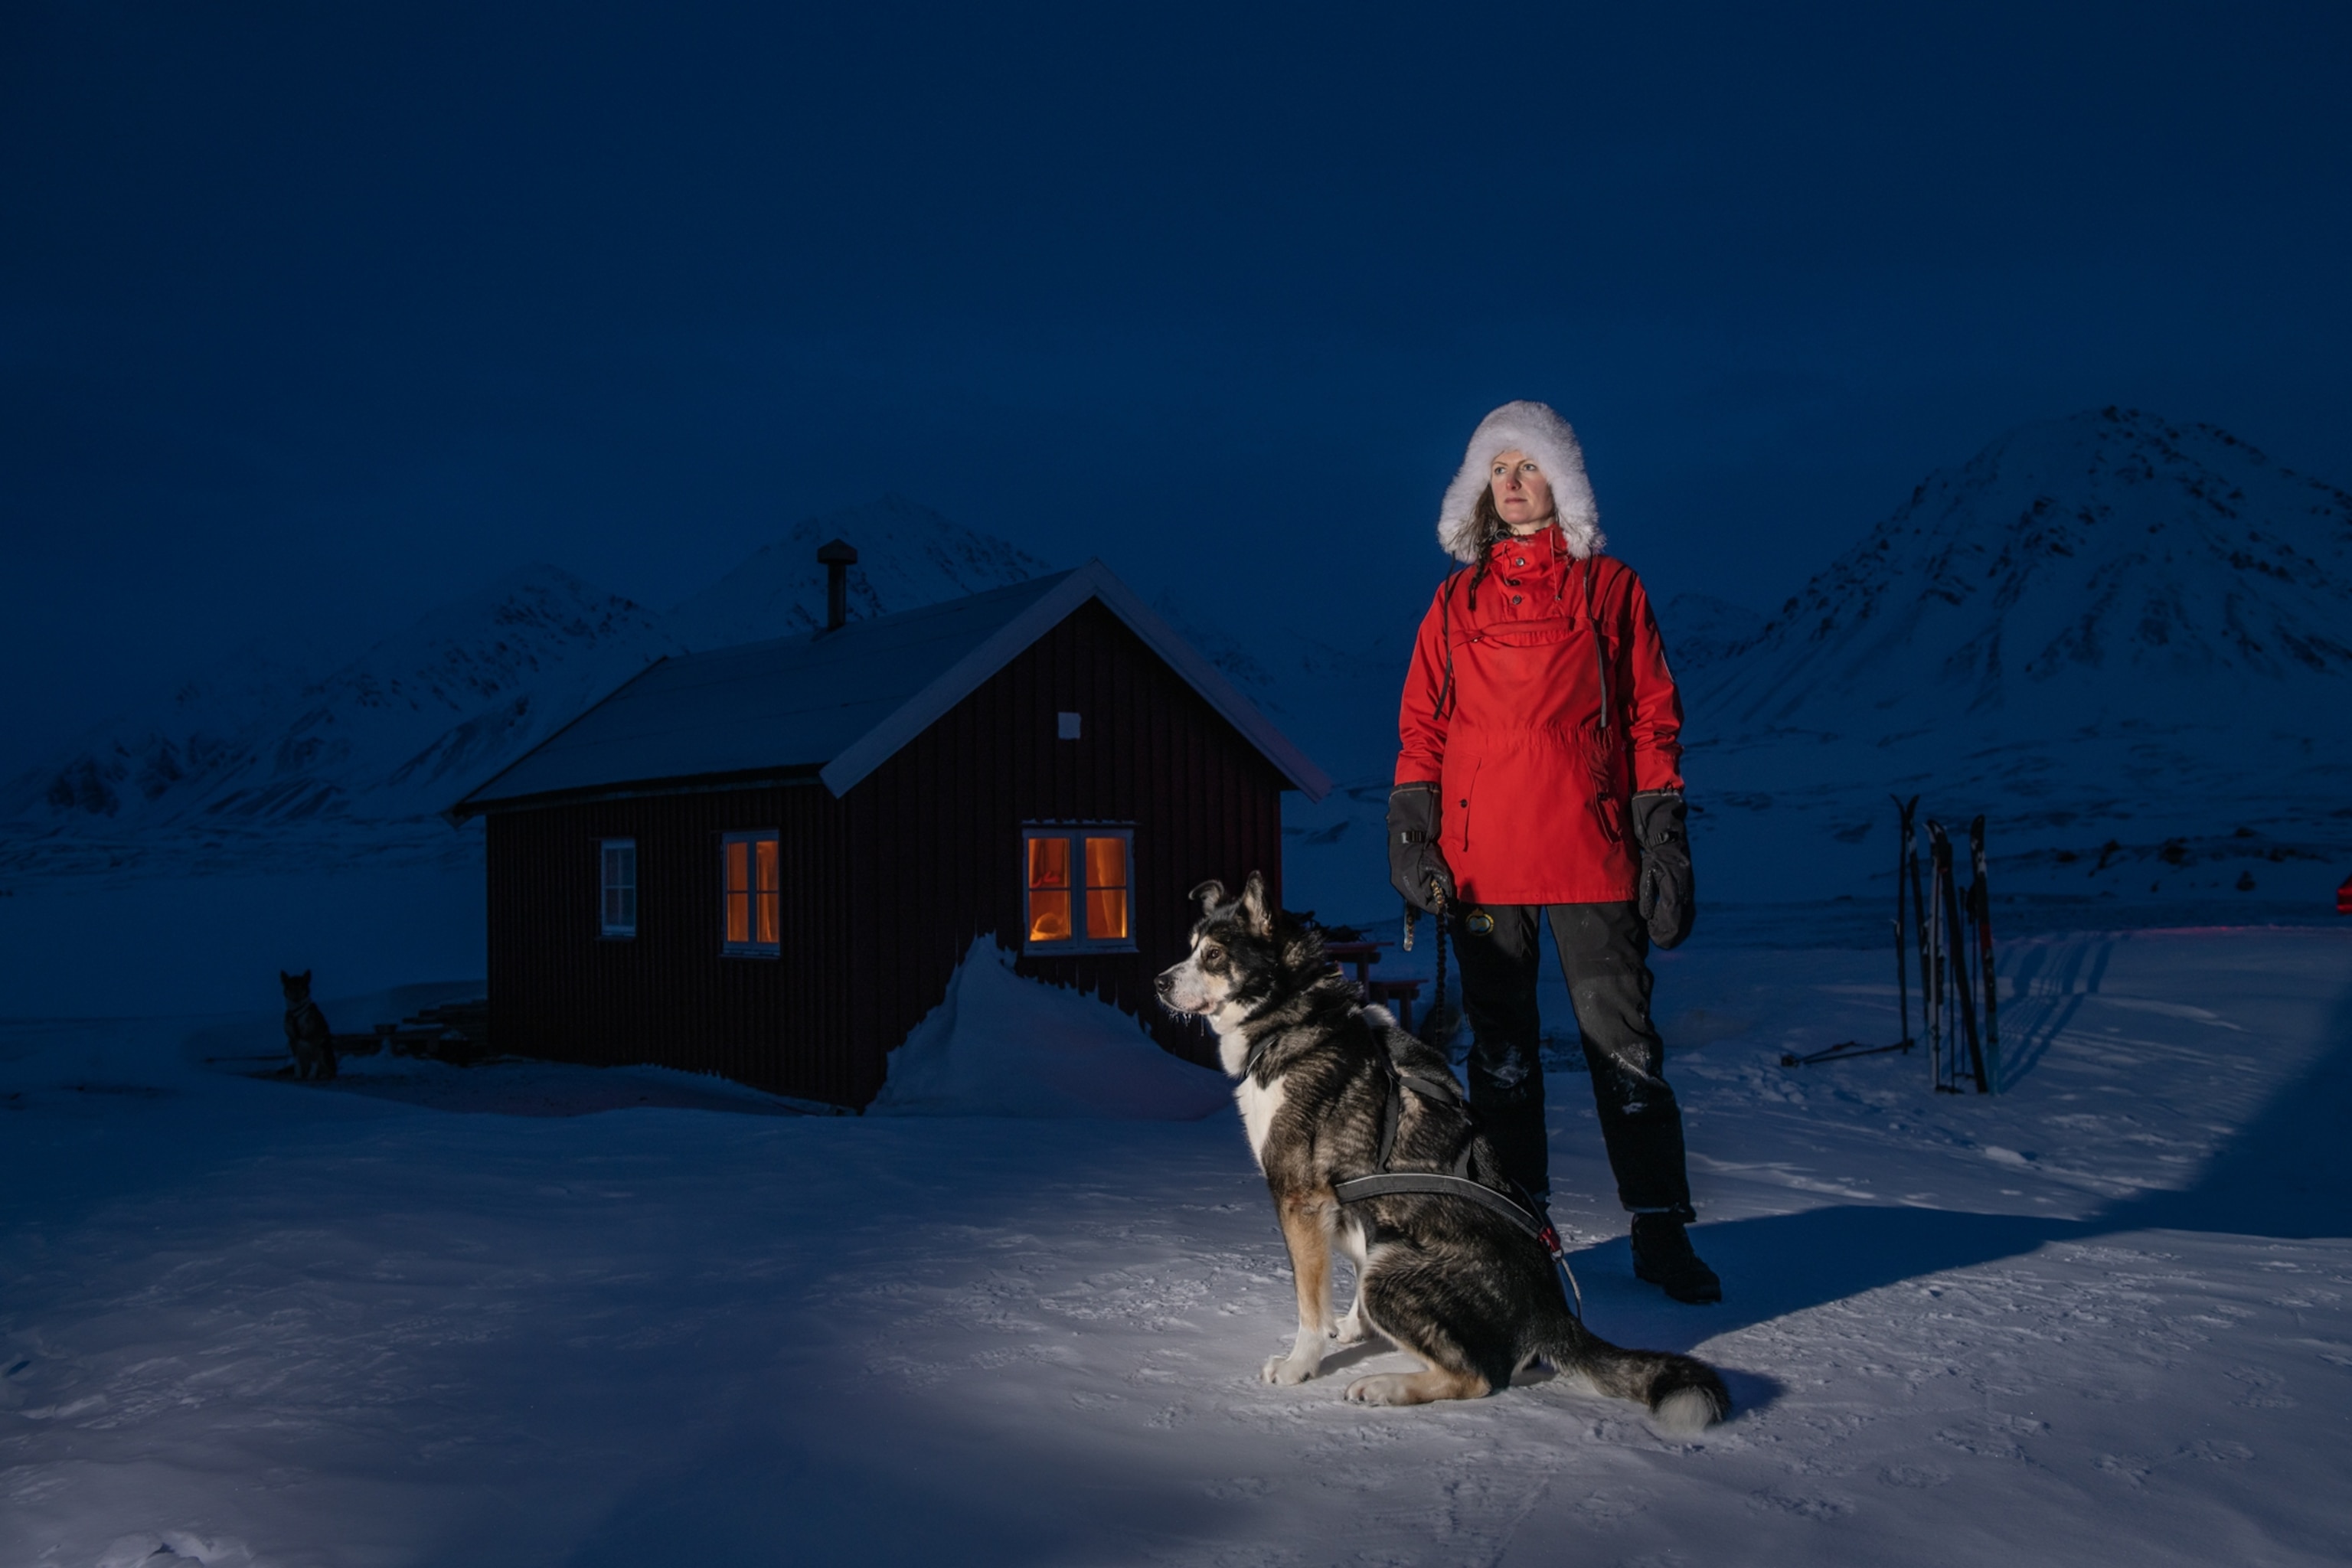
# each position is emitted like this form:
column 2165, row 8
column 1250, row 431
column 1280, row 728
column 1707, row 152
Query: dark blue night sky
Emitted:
column 314, row 316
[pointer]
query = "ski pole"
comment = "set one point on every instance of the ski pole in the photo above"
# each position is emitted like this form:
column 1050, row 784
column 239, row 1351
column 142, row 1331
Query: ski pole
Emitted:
column 1981, row 895
column 1902, row 955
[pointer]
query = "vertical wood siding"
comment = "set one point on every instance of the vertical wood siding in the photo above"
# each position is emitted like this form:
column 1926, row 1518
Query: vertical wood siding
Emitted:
column 940, row 823
column 886, row 888
column 559, row 990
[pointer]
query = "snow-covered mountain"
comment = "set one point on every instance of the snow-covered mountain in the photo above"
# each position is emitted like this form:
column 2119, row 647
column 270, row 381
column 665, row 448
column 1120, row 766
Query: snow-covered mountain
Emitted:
column 262, row 749
column 1701, row 629
column 908, row 556
column 273, row 758
column 2124, row 641
column 2128, row 642
column 2097, row 567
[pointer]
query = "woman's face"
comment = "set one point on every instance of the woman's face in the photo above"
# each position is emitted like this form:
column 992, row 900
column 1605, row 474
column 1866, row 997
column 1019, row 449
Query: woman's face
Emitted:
column 1522, row 494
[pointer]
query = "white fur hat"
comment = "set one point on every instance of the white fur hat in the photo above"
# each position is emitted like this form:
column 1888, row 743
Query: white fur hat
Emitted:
column 1535, row 429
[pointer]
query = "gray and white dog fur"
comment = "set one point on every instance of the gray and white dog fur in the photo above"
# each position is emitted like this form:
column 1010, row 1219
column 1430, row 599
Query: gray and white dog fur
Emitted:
column 307, row 1034
column 1457, row 1286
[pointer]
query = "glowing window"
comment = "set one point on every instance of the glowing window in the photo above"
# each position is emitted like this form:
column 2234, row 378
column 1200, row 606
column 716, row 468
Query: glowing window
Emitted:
column 617, row 887
column 1079, row 891
column 1049, row 889
column 1106, row 888
column 751, row 877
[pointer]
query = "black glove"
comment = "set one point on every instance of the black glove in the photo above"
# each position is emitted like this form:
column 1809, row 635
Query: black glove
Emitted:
column 1417, row 868
column 1666, row 898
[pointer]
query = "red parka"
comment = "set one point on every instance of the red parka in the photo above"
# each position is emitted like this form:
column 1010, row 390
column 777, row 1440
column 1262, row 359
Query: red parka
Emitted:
column 1540, row 711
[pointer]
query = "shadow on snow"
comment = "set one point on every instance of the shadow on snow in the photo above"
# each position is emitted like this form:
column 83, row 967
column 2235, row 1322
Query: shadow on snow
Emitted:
column 2287, row 1175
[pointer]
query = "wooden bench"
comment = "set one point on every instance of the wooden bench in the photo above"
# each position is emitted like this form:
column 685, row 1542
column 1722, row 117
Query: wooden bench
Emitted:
column 1397, row 995
column 457, row 1033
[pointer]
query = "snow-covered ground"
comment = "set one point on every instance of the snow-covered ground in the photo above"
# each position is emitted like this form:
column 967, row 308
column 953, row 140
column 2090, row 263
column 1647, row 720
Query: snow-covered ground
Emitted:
column 523, row 1314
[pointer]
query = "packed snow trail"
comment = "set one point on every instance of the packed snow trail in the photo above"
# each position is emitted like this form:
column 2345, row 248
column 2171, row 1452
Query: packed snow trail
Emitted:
column 2106, row 1318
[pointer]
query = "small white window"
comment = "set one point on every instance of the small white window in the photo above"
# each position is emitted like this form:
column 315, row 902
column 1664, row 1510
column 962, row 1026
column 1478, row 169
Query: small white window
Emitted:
column 617, row 887
column 1079, row 891
column 1066, row 726
column 751, row 878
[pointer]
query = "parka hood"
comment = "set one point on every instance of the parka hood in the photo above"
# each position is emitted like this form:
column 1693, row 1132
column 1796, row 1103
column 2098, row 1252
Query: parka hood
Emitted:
column 1535, row 429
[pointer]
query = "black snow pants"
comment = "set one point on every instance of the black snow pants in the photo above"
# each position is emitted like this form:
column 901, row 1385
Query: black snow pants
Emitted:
column 1604, row 950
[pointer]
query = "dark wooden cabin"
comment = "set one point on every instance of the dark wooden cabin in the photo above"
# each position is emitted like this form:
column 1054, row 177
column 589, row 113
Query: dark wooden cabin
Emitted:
column 766, row 861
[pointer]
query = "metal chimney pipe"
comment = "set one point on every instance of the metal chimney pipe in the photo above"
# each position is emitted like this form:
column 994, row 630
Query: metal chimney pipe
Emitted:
column 838, row 556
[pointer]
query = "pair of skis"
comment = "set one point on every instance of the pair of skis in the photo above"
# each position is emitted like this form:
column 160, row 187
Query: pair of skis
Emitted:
column 1956, row 965
column 1954, row 961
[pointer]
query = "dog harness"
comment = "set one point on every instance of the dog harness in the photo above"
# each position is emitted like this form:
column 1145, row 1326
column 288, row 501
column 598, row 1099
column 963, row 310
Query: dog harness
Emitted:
column 1516, row 1206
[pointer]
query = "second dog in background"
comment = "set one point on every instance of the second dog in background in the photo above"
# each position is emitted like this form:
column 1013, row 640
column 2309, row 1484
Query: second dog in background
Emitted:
column 307, row 1034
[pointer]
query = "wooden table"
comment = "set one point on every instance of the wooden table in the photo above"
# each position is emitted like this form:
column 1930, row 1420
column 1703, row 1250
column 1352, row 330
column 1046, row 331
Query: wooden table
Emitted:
column 1397, row 995
column 1362, row 955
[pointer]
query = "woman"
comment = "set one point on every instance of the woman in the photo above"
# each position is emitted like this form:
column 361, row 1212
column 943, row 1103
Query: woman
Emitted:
column 1540, row 777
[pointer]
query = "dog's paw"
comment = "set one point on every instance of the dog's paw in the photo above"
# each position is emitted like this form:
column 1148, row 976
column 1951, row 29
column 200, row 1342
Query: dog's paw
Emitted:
column 1284, row 1371
column 1351, row 1330
column 1387, row 1388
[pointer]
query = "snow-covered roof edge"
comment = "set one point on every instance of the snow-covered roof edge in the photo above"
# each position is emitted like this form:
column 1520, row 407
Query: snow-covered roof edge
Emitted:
column 471, row 804
column 1092, row 581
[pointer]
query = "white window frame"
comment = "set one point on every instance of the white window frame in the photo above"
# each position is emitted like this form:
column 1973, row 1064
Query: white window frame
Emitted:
column 615, row 857
column 753, row 948
column 1077, row 833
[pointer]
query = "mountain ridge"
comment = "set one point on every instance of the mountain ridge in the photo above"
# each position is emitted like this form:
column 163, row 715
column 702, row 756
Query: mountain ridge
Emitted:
column 267, row 758
column 2114, row 636
column 779, row 589
column 2060, row 552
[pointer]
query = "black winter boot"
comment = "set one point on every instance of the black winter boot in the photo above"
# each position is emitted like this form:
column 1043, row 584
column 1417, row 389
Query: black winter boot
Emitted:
column 1662, row 1256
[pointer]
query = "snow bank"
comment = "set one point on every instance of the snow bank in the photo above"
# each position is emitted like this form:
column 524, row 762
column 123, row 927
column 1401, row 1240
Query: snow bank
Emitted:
column 2089, row 1321
column 1002, row 1046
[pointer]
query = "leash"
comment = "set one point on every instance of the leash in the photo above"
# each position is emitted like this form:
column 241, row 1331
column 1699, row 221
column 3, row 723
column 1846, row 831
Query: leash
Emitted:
column 1516, row 1206
column 1436, row 1013
column 1437, row 1010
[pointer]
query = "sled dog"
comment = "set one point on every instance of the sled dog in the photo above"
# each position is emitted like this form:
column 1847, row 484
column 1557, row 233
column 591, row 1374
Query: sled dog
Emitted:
column 307, row 1035
column 1450, row 1281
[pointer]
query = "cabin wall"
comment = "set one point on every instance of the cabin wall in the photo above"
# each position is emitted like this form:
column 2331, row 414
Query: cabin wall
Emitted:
column 885, row 888
column 561, row 991
column 935, row 832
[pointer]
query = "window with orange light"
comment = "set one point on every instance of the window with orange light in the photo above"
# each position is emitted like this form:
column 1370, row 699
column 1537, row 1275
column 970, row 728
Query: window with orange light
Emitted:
column 751, row 872
column 1079, row 887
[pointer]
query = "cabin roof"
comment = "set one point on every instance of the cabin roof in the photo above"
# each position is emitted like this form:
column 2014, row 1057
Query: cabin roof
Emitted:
column 839, row 703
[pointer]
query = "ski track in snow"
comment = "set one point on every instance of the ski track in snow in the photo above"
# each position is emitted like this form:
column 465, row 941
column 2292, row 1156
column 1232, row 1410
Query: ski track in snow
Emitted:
column 393, row 1322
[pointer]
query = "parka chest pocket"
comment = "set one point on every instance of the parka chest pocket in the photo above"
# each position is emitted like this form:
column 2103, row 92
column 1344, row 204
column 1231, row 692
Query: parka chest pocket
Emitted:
column 1549, row 632
column 1535, row 675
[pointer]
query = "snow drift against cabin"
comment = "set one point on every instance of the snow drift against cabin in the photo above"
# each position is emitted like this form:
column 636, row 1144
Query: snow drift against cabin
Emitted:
column 999, row 1045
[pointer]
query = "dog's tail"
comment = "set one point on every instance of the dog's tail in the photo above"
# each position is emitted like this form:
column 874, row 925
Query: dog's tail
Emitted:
column 1684, row 1395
